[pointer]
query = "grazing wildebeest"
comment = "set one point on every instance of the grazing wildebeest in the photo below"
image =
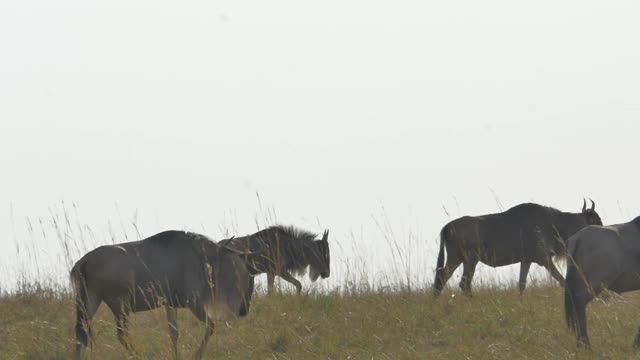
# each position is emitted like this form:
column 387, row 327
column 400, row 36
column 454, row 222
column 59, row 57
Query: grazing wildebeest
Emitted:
column 600, row 257
column 526, row 233
column 174, row 269
column 286, row 249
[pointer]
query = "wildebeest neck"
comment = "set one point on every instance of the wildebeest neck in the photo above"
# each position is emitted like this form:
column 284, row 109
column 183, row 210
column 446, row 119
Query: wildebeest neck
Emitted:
column 568, row 224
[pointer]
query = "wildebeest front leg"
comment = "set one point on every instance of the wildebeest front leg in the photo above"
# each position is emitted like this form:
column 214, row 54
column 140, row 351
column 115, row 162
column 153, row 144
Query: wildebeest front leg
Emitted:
column 172, row 320
column 636, row 341
column 208, row 330
column 201, row 314
column 554, row 272
column 122, row 324
column 289, row 278
column 121, row 314
column 271, row 279
column 524, row 271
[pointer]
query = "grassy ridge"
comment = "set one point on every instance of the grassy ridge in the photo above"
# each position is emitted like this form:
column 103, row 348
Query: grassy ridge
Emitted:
column 494, row 324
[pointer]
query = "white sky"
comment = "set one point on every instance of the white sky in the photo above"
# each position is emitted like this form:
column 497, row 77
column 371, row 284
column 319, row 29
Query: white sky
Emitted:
column 182, row 111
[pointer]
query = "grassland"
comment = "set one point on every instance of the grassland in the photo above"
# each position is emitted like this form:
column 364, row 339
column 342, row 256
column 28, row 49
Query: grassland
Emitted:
column 358, row 320
column 494, row 324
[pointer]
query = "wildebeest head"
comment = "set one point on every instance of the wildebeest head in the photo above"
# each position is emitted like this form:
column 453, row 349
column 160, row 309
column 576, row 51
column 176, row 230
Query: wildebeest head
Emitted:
column 320, row 258
column 590, row 215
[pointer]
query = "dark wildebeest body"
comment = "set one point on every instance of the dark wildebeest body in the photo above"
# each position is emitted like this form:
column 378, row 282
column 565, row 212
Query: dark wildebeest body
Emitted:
column 526, row 233
column 286, row 250
column 600, row 257
column 172, row 269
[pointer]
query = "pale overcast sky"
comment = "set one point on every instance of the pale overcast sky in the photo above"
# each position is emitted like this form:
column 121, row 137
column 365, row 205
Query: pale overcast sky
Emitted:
column 331, row 110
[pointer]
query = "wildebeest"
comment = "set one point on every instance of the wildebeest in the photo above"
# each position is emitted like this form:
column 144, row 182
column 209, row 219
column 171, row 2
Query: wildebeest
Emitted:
column 526, row 233
column 286, row 249
column 600, row 257
column 174, row 269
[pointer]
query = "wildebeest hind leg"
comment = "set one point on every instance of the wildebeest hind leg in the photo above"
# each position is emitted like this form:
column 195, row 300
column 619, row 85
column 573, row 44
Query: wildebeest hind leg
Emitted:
column 524, row 272
column 87, row 304
column 443, row 275
column 581, row 331
column 467, row 276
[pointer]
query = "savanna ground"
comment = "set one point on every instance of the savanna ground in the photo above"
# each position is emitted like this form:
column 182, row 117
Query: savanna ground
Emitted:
column 493, row 324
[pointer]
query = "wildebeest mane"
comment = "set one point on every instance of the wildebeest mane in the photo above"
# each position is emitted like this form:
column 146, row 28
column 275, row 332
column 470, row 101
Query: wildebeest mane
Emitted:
column 295, row 233
column 294, row 245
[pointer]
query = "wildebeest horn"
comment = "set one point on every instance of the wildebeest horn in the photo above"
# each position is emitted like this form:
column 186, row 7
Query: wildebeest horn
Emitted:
column 584, row 204
column 593, row 204
column 239, row 252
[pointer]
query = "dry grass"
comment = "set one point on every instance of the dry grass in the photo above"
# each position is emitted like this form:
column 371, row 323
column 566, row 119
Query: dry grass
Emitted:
column 494, row 324
column 385, row 314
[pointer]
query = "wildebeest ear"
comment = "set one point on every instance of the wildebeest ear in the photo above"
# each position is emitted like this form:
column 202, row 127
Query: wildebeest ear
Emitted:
column 325, row 236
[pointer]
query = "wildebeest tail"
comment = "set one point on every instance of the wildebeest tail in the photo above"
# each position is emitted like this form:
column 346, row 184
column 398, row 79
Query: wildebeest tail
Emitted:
column 573, row 303
column 438, row 283
column 78, row 281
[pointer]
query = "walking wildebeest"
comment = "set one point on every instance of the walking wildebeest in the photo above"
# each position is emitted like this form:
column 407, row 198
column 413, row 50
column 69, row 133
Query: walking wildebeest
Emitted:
column 526, row 233
column 600, row 257
column 287, row 249
column 173, row 268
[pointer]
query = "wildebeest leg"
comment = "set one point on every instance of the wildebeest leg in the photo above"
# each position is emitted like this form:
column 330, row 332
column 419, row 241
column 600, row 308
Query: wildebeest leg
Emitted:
column 524, row 271
column 580, row 309
column 87, row 304
column 121, row 314
column 200, row 313
column 577, row 294
column 467, row 275
column 172, row 319
column 122, row 323
column 207, row 334
column 445, row 274
column 554, row 272
column 636, row 341
column 271, row 278
column 289, row 278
